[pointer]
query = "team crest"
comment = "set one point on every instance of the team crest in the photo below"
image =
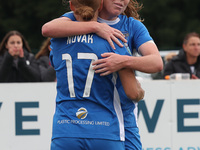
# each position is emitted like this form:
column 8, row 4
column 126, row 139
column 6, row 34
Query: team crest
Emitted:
column 81, row 113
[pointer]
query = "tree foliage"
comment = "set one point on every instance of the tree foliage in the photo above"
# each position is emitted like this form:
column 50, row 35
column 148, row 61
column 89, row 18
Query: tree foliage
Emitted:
column 28, row 17
column 167, row 20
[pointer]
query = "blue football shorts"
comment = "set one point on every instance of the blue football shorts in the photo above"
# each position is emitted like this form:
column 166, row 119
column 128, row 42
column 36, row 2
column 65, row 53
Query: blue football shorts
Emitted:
column 132, row 139
column 85, row 144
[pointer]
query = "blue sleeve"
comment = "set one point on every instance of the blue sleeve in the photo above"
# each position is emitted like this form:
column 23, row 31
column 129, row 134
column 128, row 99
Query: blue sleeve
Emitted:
column 69, row 15
column 139, row 33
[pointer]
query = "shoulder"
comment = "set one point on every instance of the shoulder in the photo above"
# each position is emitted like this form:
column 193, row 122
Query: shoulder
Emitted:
column 29, row 56
column 130, row 20
column 4, row 54
column 69, row 15
column 57, row 43
column 180, row 57
column 43, row 60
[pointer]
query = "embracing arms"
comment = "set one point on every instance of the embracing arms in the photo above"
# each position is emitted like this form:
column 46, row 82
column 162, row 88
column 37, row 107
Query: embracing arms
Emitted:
column 150, row 62
column 62, row 27
column 131, row 85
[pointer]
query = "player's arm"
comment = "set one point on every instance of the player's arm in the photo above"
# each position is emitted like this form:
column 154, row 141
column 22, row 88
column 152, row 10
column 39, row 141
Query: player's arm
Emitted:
column 131, row 85
column 150, row 62
column 63, row 27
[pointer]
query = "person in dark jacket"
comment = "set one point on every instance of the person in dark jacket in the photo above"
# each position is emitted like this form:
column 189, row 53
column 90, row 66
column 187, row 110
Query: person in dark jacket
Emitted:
column 17, row 63
column 48, row 74
column 188, row 59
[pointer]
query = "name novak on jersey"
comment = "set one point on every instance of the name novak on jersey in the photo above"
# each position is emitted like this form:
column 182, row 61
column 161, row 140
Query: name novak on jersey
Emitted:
column 80, row 38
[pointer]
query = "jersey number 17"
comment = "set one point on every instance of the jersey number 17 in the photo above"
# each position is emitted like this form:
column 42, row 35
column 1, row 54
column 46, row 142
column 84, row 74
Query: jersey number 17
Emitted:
column 90, row 74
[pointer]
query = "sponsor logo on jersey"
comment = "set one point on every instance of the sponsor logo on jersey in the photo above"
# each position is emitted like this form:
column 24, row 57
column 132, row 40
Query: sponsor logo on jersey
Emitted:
column 81, row 113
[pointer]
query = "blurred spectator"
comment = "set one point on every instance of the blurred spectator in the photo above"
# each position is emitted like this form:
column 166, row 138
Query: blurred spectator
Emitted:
column 17, row 63
column 47, row 72
column 188, row 59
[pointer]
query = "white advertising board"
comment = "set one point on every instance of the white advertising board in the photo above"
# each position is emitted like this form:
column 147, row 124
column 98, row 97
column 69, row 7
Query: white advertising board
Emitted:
column 172, row 117
column 169, row 115
column 26, row 114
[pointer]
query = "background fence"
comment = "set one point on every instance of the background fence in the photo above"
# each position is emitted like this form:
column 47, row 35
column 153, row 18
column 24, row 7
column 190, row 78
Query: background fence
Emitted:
column 169, row 115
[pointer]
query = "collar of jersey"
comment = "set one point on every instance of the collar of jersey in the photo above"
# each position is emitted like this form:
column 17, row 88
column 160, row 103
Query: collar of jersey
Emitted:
column 100, row 20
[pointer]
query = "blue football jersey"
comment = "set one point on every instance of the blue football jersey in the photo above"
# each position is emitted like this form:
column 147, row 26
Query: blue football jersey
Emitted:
column 87, row 104
column 136, row 34
column 135, row 31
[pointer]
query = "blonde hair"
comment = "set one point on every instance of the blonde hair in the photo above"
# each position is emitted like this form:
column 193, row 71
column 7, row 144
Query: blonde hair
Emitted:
column 132, row 10
column 86, row 8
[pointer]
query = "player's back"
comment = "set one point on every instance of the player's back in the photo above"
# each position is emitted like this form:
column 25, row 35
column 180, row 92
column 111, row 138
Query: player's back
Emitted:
column 72, row 60
column 86, row 99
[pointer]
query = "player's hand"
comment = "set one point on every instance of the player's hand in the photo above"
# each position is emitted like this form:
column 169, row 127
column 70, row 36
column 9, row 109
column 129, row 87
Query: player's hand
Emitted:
column 110, row 63
column 110, row 34
column 141, row 92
